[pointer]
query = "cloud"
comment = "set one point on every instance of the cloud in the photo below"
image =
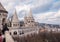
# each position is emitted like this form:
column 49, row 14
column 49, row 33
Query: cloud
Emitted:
column 9, row 6
column 44, row 16
column 48, row 17
column 22, row 7
column 47, row 5
column 37, row 6
column 47, row 11
column 55, row 6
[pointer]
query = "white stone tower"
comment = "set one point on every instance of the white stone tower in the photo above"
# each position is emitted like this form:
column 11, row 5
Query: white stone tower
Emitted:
column 3, row 15
column 29, row 20
column 15, row 21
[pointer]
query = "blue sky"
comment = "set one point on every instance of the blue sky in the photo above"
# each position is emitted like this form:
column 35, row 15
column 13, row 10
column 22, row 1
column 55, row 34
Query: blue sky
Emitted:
column 44, row 11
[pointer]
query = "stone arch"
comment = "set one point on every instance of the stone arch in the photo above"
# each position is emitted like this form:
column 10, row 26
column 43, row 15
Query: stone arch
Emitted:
column 15, row 32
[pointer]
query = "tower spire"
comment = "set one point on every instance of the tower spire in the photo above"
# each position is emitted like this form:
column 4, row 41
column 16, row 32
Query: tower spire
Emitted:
column 15, row 17
column 30, row 13
column 29, row 20
column 15, row 20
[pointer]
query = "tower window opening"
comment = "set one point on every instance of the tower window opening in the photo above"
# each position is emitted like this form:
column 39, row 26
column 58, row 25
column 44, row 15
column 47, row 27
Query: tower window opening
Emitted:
column 21, row 33
column 0, row 13
column 31, row 21
column 3, row 20
column 14, row 24
column 28, row 21
column 10, row 33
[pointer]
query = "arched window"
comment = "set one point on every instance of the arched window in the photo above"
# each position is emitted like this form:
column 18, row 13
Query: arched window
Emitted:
column 21, row 32
column 28, row 21
column 15, row 33
column 21, row 25
column 10, row 33
column 32, row 21
column 3, row 20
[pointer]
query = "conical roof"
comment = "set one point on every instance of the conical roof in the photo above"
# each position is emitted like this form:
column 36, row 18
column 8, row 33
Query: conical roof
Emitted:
column 2, row 9
column 30, row 16
column 15, row 17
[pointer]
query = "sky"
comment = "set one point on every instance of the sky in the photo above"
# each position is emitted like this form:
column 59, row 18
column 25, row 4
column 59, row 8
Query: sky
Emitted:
column 44, row 11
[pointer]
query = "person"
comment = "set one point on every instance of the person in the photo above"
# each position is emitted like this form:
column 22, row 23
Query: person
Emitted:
column 1, row 39
column 5, row 28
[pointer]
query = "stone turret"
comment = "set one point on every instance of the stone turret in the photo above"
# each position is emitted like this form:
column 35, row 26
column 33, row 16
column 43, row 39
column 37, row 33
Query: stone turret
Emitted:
column 15, row 21
column 29, row 20
column 3, row 15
